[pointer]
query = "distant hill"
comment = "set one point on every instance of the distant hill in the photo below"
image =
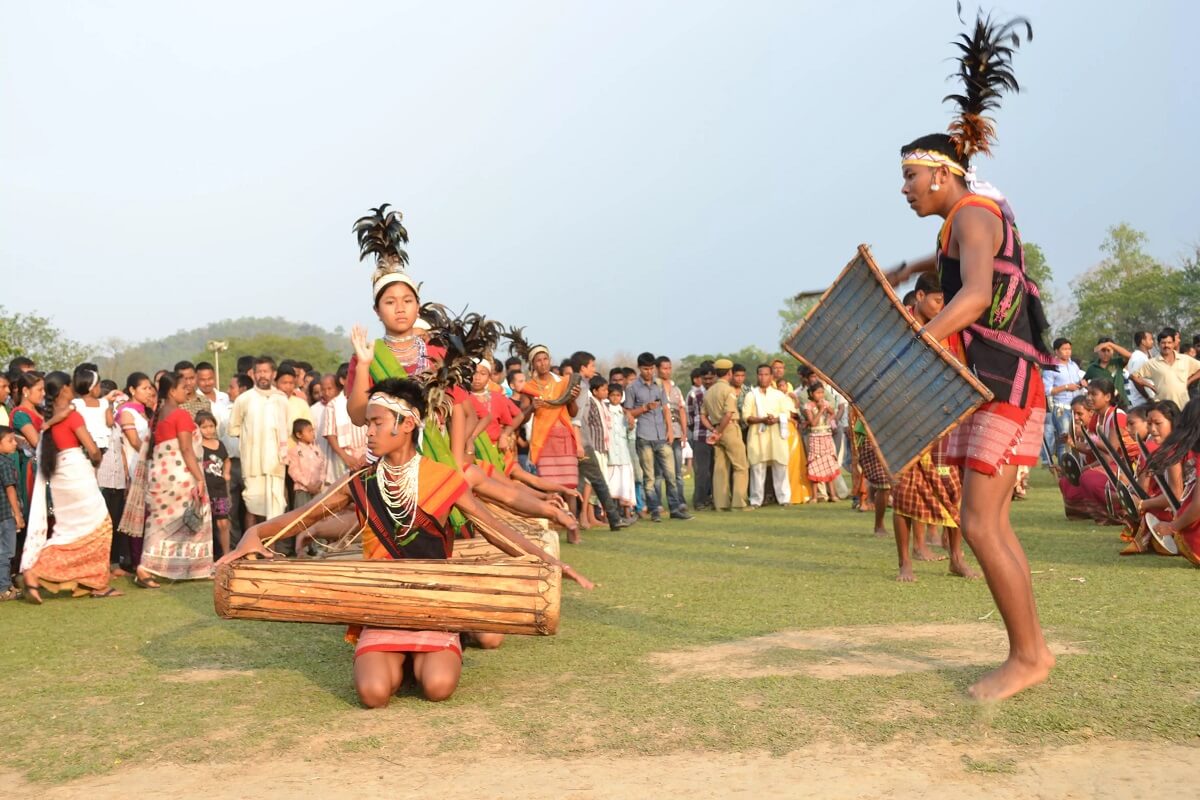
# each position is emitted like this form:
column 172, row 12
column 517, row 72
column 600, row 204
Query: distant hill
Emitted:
column 155, row 354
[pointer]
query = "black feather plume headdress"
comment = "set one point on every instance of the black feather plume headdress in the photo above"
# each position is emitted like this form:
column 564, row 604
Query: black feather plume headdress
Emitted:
column 985, row 69
column 461, row 341
column 520, row 347
column 382, row 234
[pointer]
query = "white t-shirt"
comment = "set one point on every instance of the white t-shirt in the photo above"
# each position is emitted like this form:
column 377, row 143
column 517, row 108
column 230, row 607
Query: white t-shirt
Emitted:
column 1136, row 359
column 95, row 420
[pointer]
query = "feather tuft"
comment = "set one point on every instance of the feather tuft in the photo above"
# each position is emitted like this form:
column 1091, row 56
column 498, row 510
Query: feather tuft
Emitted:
column 985, row 69
column 382, row 234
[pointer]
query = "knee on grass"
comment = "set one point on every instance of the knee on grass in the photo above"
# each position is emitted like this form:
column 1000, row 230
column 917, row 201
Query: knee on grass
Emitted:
column 374, row 692
column 488, row 641
column 439, row 686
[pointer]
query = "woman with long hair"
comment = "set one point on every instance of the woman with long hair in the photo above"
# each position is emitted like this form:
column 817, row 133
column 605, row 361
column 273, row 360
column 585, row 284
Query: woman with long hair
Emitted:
column 1160, row 420
column 1109, row 423
column 28, row 392
column 92, row 404
column 1180, row 447
column 76, row 558
column 128, row 444
column 177, row 540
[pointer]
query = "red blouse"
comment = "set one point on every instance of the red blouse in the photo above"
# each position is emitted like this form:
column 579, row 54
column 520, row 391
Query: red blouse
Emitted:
column 175, row 422
column 63, row 433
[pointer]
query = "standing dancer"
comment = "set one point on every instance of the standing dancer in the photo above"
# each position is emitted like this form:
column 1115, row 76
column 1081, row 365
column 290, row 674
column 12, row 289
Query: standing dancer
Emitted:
column 995, row 310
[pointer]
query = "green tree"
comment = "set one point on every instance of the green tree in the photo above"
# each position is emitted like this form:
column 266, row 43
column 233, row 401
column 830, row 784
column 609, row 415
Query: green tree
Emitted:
column 1037, row 269
column 37, row 338
column 1128, row 290
column 298, row 348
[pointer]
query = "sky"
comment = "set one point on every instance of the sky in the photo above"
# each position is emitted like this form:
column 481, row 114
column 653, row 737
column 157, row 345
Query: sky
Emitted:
column 618, row 176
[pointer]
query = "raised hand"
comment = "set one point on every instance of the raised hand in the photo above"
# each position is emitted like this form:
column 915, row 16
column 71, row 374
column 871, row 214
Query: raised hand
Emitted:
column 364, row 348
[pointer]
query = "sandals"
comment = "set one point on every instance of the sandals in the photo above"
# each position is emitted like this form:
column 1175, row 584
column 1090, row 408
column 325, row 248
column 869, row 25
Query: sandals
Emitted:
column 11, row 593
column 31, row 594
column 109, row 592
column 145, row 583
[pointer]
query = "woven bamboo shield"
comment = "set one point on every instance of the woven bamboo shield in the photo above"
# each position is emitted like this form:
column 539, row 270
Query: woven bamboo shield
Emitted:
column 517, row 596
column 909, row 390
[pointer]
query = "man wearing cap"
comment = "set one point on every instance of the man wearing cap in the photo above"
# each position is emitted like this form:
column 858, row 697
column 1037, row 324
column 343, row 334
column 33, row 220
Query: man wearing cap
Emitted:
column 729, row 451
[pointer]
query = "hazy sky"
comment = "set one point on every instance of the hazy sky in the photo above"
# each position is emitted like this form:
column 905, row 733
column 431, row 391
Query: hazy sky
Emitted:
column 615, row 176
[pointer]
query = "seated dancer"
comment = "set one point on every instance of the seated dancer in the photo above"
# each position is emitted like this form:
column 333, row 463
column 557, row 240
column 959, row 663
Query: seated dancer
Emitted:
column 978, row 258
column 1160, row 422
column 75, row 555
column 1077, row 503
column 404, row 500
column 495, row 447
column 1109, row 422
column 401, row 353
column 1183, row 445
column 930, row 491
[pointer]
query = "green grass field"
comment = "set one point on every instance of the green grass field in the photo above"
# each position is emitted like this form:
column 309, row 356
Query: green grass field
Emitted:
column 91, row 685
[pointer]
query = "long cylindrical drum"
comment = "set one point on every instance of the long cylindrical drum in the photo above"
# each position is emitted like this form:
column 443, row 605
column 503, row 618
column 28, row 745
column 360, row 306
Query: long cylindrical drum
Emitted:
column 479, row 548
column 518, row 596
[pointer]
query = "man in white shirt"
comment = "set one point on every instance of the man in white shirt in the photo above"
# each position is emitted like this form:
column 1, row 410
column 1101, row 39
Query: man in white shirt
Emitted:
column 768, row 414
column 260, row 418
column 1062, row 386
column 1143, row 341
column 1170, row 373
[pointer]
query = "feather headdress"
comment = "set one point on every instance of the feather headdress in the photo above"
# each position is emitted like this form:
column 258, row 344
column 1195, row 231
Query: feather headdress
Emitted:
column 985, row 69
column 467, row 338
column 520, row 347
column 383, row 235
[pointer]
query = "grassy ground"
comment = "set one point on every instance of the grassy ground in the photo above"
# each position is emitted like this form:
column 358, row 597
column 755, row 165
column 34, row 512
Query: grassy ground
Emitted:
column 90, row 685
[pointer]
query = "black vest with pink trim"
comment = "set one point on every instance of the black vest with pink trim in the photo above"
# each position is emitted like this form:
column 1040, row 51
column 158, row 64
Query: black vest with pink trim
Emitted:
column 1006, row 345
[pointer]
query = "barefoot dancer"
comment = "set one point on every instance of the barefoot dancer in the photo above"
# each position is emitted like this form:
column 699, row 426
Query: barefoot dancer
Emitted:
column 930, row 491
column 404, row 500
column 995, row 309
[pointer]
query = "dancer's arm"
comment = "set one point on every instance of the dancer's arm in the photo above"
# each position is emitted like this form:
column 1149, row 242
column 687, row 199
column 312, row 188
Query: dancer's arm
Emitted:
column 469, row 505
column 976, row 231
column 317, row 509
column 907, row 269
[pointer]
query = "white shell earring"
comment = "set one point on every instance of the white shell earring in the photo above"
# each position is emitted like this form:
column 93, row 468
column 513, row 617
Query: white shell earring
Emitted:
column 933, row 187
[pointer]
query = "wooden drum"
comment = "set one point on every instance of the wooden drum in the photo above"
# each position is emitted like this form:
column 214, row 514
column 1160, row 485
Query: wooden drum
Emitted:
column 909, row 390
column 517, row 596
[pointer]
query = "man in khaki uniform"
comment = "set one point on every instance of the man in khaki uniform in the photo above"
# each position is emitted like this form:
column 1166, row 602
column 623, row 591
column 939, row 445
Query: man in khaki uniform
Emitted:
column 725, row 435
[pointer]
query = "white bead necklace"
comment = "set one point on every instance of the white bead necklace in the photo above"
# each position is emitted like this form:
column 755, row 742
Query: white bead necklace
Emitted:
column 398, row 487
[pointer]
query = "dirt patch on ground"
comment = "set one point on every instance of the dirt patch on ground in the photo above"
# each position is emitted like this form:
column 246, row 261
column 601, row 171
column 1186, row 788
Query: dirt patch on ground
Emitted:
column 838, row 653
column 1099, row 770
column 204, row 675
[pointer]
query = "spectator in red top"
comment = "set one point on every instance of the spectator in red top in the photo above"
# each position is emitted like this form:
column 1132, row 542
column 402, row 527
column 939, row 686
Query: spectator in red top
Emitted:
column 77, row 556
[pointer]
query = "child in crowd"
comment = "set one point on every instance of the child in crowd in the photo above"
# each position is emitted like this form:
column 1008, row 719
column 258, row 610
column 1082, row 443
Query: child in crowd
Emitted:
column 599, row 424
column 620, row 465
column 822, row 459
column 11, row 519
column 216, row 466
column 306, row 466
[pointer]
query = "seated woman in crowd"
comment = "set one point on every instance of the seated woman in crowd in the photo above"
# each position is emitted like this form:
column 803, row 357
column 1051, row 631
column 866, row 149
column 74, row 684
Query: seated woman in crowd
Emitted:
column 1077, row 501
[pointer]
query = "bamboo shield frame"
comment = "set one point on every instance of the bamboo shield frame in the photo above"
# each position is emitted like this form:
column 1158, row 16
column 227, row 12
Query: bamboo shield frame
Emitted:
column 908, row 389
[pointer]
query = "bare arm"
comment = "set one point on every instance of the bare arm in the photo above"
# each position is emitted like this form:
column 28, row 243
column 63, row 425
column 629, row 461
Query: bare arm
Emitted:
column 329, row 504
column 130, row 429
column 902, row 273
column 508, row 537
column 15, row 505
column 976, row 231
column 30, row 433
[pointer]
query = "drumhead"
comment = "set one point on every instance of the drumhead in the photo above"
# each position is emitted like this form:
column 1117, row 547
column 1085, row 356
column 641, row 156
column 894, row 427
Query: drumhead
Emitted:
column 1163, row 545
column 1071, row 468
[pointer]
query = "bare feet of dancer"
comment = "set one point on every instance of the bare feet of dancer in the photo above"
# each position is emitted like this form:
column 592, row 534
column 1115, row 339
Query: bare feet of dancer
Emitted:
column 906, row 573
column 921, row 552
column 959, row 567
column 1014, row 675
